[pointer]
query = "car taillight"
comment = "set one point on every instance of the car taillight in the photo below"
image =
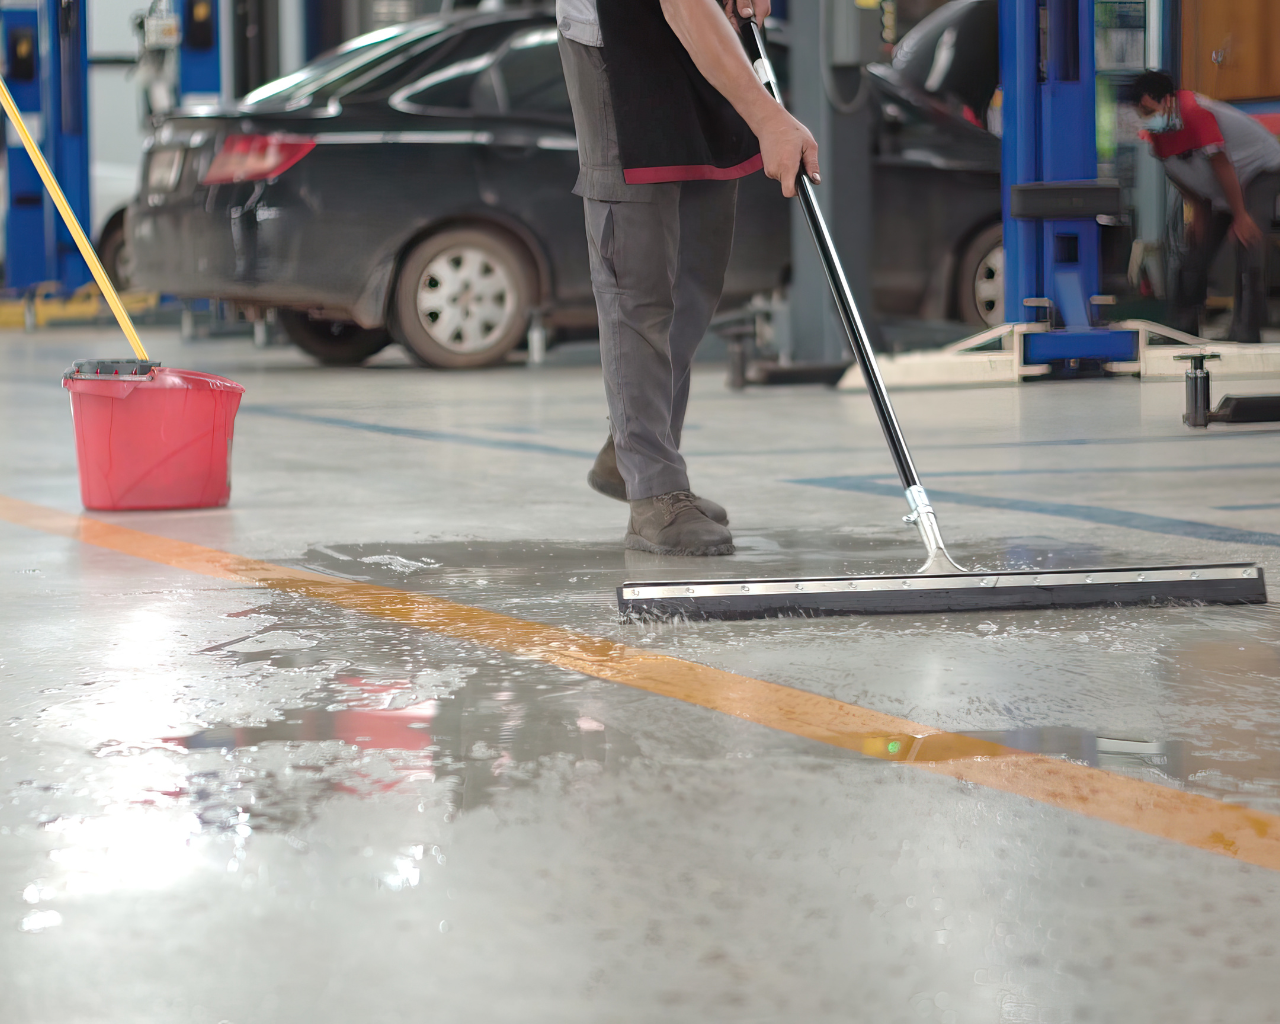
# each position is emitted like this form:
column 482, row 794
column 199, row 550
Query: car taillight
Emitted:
column 254, row 157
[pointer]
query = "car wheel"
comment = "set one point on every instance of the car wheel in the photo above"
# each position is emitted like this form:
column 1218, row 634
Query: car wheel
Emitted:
column 333, row 342
column 980, row 291
column 114, row 255
column 463, row 298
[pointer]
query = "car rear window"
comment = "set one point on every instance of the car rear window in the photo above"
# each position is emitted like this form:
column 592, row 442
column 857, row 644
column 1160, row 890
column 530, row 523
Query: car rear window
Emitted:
column 327, row 73
column 520, row 75
column 412, row 65
column 531, row 75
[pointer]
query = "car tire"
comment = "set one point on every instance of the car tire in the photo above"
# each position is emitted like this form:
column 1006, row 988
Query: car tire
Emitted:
column 980, row 279
column 463, row 298
column 333, row 342
column 113, row 253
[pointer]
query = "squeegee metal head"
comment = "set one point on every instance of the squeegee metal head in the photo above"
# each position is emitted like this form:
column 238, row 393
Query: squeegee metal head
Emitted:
column 1223, row 583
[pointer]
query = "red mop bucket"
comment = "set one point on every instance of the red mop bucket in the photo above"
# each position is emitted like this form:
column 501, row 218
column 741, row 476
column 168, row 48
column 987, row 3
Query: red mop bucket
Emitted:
column 148, row 437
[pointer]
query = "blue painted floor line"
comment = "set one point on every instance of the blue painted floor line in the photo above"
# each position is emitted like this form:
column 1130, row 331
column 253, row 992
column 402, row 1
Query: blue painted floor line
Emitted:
column 1247, row 508
column 548, row 449
column 1155, row 439
column 420, row 435
column 1069, row 442
column 1087, row 513
column 867, row 484
column 1089, row 470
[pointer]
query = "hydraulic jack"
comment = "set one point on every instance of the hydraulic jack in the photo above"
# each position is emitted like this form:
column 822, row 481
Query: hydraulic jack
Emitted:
column 1232, row 408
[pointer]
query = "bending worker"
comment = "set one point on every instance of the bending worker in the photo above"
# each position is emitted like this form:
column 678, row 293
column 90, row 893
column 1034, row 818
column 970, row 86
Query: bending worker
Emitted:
column 1227, row 167
column 668, row 113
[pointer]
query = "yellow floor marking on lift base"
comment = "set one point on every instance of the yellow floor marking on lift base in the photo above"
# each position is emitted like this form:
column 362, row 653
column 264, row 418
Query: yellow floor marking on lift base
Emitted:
column 1199, row 821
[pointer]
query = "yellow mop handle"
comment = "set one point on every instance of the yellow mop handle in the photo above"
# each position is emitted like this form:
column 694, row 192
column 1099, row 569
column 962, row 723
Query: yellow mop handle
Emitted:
column 60, row 201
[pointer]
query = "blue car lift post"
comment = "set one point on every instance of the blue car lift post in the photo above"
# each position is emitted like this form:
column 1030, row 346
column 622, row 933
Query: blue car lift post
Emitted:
column 46, row 64
column 46, row 59
column 1052, row 195
column 1051, row 201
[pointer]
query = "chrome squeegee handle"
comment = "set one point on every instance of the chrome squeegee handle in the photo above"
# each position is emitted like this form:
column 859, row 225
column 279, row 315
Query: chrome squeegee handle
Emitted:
column 848, row 308
column 922, row 515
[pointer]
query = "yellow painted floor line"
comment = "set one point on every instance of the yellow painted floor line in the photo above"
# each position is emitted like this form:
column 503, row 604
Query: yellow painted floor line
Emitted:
column 1198, row 821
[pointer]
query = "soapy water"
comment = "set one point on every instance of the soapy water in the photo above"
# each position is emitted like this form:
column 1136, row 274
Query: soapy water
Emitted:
column 387, row 708
column 370, row 737
column 463, row 734
column 576, row 584
column 308, row 704
column 1196, row 679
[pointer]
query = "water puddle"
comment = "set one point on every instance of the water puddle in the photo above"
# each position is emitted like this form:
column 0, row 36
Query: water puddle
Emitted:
column 294, row 718
column 566, row 584
column 579, row 568
column 276, row 774
column 469, row 745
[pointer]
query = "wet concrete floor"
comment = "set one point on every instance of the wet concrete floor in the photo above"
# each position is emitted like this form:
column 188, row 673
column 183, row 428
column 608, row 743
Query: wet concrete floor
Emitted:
column 224, row 803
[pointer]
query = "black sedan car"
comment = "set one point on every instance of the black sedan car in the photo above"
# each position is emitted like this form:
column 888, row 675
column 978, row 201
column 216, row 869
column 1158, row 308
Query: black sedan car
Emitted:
column 415, row 186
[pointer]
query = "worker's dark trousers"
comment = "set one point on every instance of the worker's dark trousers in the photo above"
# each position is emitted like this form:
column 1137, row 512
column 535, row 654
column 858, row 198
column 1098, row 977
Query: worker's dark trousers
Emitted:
column 1192, row 282
column 658, row 258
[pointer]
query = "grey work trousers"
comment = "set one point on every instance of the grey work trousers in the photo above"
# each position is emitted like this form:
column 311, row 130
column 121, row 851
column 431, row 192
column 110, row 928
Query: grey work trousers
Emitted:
column 657, row 270
column 658, row 259
column 1249, row 314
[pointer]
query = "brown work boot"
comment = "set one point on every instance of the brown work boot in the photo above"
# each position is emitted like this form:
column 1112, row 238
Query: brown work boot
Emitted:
column 673, row 524
column 605, row 478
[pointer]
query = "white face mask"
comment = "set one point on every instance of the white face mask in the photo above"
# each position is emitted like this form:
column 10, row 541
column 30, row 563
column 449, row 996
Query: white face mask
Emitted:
column 1157, row 123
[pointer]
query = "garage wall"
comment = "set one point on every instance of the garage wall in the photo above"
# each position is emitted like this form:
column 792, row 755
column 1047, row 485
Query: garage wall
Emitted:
column 1230, row 47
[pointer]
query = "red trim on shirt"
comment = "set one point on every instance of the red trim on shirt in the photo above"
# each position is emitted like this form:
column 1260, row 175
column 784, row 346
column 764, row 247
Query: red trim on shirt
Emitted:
column 691, row 172
column 1199, row 130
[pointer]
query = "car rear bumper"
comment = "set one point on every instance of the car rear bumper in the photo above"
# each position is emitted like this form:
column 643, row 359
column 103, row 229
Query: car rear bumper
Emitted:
column 255, row 242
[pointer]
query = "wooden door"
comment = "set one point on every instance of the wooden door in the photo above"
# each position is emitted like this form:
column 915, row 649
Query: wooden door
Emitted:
column 1231, row 48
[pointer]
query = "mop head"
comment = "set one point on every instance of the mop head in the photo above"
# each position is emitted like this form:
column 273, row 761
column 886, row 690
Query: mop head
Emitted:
column 1224, row 583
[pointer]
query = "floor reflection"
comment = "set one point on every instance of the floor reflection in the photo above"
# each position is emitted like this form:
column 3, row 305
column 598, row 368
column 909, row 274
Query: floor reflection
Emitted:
column 476, row 744
column 473, row 743
column 1143, row 757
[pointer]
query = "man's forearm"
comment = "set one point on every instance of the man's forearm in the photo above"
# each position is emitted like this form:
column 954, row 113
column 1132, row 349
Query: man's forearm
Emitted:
column 1224, row 170
column 786, row 146
column 707, row 35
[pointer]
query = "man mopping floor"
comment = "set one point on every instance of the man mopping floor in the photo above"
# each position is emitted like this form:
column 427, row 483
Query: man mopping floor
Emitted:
column 669, row 115
column 940, row 584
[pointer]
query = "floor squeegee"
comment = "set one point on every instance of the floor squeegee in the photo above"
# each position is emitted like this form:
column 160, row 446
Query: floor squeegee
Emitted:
column 940, row 584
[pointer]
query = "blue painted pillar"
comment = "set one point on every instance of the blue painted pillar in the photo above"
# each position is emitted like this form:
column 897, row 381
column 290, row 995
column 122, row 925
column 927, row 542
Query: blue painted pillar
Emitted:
column 50, row 87
column 1050, row 134
column 25, row 247
column 66, row 108
column 1071, row 249
column 1019, row 156
column 199, row 56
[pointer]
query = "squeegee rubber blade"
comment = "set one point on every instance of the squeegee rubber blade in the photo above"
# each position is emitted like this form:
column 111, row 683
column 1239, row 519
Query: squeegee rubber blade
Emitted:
column 825, row 597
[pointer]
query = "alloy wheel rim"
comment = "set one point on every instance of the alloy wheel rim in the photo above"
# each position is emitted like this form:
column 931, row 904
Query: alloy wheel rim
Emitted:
column 988, row 287
column 466, row 299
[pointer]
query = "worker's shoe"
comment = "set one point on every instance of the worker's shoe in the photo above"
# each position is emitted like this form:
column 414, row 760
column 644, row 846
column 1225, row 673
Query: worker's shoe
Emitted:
column 605, row 478
column 673, row 524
